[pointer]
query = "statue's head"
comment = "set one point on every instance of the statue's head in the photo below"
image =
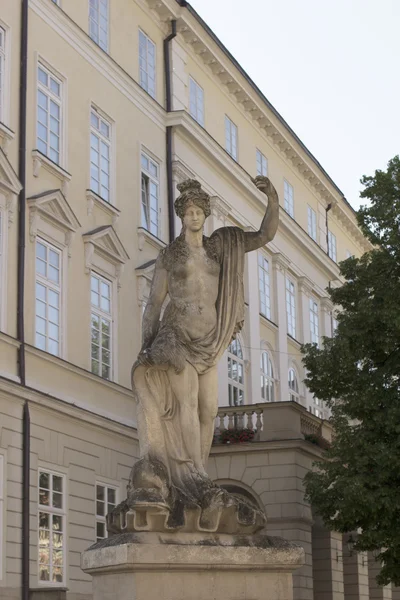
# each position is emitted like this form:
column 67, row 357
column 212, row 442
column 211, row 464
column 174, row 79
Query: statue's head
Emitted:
column 193, row 204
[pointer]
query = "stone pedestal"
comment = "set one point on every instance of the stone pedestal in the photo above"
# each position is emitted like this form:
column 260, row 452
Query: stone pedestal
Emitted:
column 149, row 566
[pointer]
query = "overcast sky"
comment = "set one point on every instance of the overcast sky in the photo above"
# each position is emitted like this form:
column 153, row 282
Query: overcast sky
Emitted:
column 330, row 67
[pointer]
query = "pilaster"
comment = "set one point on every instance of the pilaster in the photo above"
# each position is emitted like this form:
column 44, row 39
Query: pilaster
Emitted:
column 253, row 327
column 377, row 592
column 280, row 265
column 327, row 552
column 355, row 573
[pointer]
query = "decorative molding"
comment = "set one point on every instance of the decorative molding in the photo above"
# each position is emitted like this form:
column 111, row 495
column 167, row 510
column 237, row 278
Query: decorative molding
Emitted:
column 105, row 242
column 53, row 207
column 305, row 285
column 94, row 199
column 327, row 305
column 40, row 160
column 9, row 182
column 145, row 236
column 6, row 135
column 280, row 262
column 180, row 171
column 219, row 208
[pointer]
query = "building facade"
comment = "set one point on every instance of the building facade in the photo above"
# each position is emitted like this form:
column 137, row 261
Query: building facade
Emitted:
column 125, row 99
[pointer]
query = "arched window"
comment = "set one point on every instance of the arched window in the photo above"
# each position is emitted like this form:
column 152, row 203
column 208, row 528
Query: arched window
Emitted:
column 293, row 386
column 267, row 378
column 235, row 374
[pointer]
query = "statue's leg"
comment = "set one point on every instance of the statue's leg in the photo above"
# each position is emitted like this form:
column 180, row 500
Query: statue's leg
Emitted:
column 208, row 408
column 185, row 386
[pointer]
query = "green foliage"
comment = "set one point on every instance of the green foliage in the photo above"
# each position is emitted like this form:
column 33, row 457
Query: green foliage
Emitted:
column 357, row 374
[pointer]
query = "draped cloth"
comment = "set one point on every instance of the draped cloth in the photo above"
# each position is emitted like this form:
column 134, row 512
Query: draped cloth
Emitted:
column 159, row 427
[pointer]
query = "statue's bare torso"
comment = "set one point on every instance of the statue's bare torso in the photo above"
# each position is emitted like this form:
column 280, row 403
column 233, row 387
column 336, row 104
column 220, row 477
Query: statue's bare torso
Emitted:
column 193, row 291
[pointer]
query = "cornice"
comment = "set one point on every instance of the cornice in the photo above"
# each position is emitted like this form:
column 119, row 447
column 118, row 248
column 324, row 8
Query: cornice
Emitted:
column 200, row 44
column 51, row 403
column 217, row 155
column 280, row 262
column 305, row 285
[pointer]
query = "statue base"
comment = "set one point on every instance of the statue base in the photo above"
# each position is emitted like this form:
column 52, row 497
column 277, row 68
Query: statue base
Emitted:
column 183, row 566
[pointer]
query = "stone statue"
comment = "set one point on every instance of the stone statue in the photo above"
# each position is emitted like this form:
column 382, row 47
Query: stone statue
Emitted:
column 175, row 376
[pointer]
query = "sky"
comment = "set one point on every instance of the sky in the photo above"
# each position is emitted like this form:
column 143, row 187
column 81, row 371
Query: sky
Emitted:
column 329, row 67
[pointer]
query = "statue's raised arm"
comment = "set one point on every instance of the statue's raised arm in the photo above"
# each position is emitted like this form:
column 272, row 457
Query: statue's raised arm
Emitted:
column 269, row 224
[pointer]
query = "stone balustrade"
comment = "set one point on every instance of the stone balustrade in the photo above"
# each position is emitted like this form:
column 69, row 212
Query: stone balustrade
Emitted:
column 271, row 421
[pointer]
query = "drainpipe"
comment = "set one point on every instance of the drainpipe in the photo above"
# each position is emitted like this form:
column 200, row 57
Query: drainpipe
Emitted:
column 20, row 298
column 328, row 208
column 169, row 131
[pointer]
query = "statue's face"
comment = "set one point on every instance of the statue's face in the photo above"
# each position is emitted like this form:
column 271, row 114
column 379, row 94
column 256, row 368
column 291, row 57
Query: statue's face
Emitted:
column 194, row 218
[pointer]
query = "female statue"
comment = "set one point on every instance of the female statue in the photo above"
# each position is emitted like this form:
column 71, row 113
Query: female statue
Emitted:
column 175, row 376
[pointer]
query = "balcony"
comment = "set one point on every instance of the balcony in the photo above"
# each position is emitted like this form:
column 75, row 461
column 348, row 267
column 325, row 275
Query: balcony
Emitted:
column 272, row 421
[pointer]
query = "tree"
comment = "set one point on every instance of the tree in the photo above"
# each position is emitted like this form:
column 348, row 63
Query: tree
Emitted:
column 357, row 373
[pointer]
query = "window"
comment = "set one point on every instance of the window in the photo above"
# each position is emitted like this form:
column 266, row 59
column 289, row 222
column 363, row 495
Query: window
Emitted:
column 291, row 307
column 230, row 137
column 294, row 395
column 2, row 71
column 349, row 254
column 147, row 64
column 312, row 223
column 150, row 192
column 196, row 101
column 98, row 22
column 267, row 378
column 235, row 374
column 101, row 329
column 317, row 408
column 51, row 527
column 334, row 325
column 314, row 325
column 264, row 286
column 100, row 151
column 48, row 297
column 288, row 198
column 106, row 500
column 262, row 165
column 49, row 114
column 332, row 246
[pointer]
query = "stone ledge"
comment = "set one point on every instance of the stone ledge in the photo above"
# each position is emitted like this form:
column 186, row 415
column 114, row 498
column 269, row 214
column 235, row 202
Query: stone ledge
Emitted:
column 191, row 552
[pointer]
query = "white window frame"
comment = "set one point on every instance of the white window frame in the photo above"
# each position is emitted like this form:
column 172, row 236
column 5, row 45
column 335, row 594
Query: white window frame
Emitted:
column 196, row 101
column 147, row 175
column 58, row 512
column 314, row 321
column 312, row 223
column 94, row 20
column 57, row 100
column 267, row 377
column 231, row 138
column 293, row 385
column 291, row 306
column 288, row 197
column 144, row 68
column 103, row 140
column 332, row 246
column 108, row 316
column 101, row 519
column 236, row 375
column 264, row 285
column 317, row 408
column 52, row 286
column 261, row 163
column 5, row 59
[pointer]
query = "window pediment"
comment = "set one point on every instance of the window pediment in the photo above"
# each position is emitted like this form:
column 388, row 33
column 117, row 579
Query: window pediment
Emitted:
column 9, row 182
column 52, row 207
column 103, row 243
